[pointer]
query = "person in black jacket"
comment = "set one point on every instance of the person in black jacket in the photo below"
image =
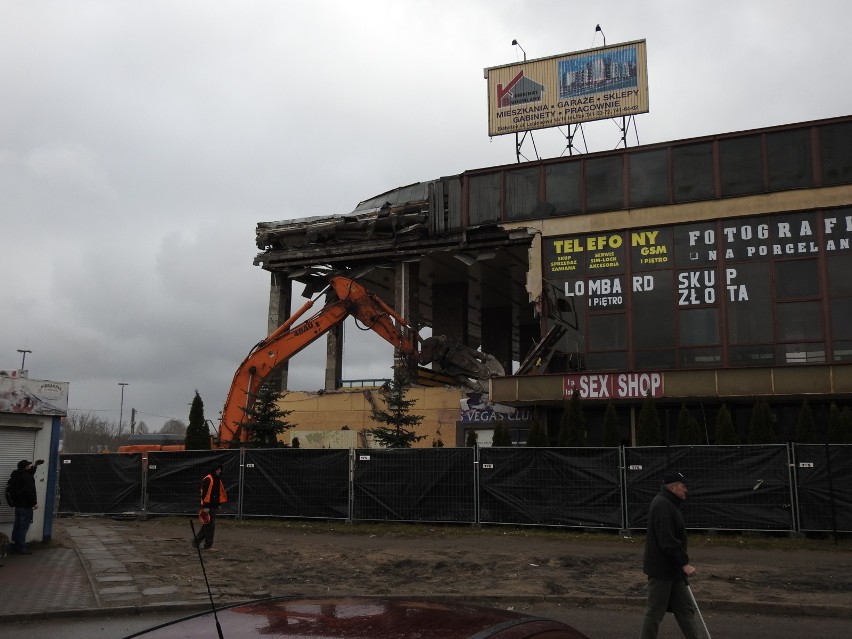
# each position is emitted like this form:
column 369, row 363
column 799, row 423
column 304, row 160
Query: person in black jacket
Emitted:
column 666, row 562
column 212, row 496
column 23, row 490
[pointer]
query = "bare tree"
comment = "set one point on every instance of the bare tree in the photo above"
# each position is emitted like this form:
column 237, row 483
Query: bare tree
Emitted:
column 174, row 427
column 89, row 433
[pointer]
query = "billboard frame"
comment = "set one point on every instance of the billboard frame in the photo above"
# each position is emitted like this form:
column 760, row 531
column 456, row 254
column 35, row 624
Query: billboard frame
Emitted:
column 570, row 88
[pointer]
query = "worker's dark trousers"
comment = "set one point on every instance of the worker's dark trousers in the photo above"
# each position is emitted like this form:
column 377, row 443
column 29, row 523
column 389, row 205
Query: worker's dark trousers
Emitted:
column 665, row 595
column 205, row 535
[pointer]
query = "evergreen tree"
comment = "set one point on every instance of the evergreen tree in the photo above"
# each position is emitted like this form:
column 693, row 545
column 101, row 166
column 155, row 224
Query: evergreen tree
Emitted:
column 610, row 436
column 399, row 422
column 470, row 438
column 838, row 427
column 265, row 420
column 649, row 424
column 688, row 431
column 572, row 427
column 295, row 443
column 725, row 433
column 502, row 435
column 437, row 442
column 197, row 434
column 761, row 429
column 805, row 428
column 538, row 431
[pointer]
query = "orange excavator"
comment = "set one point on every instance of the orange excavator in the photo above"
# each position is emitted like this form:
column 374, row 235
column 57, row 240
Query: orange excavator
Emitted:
column 468, row 366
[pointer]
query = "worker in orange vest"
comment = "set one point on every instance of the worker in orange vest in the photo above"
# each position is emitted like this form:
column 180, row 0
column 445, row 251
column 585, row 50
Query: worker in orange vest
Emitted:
column 213, row 495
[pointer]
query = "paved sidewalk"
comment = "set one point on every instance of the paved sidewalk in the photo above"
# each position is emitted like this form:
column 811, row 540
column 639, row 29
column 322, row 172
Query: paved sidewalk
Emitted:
column 92, row 575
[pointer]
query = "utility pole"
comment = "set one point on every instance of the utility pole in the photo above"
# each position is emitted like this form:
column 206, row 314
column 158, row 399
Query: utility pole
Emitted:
column 121, row 410
column 23, row 352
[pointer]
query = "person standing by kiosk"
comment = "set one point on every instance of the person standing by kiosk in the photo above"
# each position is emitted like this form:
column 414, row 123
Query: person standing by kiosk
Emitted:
column 22, row 490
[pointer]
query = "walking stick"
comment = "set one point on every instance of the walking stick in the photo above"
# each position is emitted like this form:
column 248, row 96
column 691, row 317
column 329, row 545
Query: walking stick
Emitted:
column 203, row 570
column 695, row 603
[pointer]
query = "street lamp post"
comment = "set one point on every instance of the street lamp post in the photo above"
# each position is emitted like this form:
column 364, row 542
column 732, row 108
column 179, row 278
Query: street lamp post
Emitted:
column 23, row 352
column 121, row 410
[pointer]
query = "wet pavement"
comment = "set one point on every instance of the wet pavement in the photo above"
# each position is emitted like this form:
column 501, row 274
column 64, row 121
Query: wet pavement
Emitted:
column 89, row 576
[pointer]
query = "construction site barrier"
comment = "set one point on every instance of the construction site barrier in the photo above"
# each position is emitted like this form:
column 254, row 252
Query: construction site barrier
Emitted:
column 794, row 487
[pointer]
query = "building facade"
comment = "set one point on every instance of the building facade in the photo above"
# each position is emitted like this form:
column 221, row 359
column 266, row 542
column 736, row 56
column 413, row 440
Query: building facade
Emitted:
column 703, row 272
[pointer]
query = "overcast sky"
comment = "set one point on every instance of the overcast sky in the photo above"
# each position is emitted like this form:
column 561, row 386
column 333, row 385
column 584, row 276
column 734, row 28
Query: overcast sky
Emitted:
column 141, row 142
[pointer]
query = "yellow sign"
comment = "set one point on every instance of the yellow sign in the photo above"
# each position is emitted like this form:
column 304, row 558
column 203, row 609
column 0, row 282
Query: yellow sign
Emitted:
column 607, row 82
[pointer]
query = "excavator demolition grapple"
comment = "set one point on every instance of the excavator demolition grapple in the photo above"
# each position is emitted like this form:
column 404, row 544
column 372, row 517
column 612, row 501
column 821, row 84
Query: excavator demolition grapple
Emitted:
column 465, row 365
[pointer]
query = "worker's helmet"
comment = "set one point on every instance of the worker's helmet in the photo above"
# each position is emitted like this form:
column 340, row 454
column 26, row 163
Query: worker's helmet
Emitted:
column 204, row 516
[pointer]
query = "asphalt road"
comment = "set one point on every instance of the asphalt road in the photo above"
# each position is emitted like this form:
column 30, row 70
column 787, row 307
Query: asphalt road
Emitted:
column 596, row 622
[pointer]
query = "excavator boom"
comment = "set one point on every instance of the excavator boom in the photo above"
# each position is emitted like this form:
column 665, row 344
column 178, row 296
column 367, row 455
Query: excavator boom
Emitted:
column 356, row 301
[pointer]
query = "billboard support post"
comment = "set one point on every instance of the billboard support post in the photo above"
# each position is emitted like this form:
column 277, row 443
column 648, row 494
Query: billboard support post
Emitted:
column 520, row 142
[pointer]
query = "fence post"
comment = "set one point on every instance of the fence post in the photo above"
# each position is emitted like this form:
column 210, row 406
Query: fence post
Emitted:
column 622, row 482
column 241, row 484
column 351, row 496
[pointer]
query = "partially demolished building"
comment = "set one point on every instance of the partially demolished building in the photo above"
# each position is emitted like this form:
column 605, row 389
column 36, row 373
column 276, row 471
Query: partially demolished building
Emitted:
column 701, row 272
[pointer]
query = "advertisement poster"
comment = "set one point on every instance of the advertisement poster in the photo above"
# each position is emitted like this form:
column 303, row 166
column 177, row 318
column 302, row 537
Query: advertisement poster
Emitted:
column 606, row 82
column 32, row 396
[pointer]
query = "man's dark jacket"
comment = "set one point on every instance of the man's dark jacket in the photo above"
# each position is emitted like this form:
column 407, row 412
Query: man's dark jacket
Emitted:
column 665, row 546
column 23, row 487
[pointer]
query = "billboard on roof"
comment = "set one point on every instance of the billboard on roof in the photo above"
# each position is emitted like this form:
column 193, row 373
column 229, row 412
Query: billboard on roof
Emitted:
column 606, row 82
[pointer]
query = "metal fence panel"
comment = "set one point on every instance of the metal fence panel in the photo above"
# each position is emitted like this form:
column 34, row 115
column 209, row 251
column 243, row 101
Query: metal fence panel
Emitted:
column 730, row 487
column 414, row 484
column 295, row 482
column 174, row 480
column 550, row 486
column 99, row 484
column 823, row 486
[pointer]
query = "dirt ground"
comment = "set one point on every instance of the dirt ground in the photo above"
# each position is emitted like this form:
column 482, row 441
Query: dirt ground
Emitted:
column 259, row 558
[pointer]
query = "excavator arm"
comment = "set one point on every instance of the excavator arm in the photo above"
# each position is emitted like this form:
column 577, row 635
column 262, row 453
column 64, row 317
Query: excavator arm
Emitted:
column 290, row 338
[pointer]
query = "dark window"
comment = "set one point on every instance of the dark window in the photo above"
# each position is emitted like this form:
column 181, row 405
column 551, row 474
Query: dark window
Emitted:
column 799, row 321
column 754, row 355
column 692, row 172
column 700, row 357
column 843, row 351
column 563, row 187
column 695, row 244
column 788, row 158
column 485, row 198
column 801, row 354
column 699, row 326
column 655, row 359
column 522, row 195
column 652, row 249
column 653, row 311
column 607, row 332
column 741, row 165
column 841, row 319
column 749, row 300
column 796, row 279
column 649, row 178
column 604, row 186
column 839, row 275
column 835, row 145
column 612, row 361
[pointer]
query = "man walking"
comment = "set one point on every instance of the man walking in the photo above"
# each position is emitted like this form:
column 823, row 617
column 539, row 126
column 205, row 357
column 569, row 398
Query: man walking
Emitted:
column 666, row 562
column 23, row 491
column 212, row 496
